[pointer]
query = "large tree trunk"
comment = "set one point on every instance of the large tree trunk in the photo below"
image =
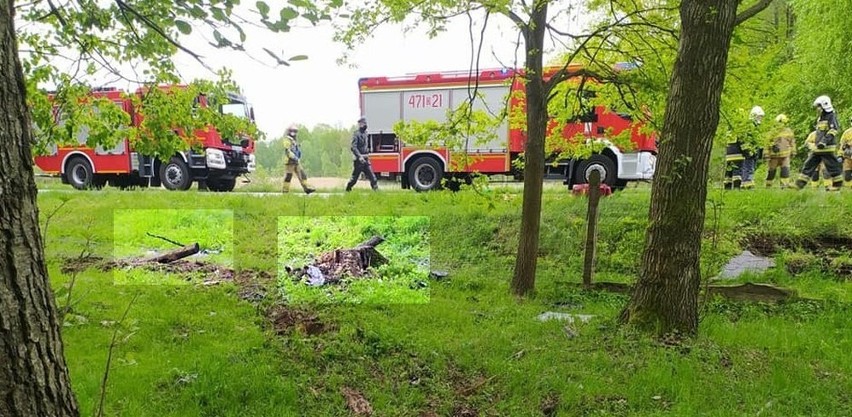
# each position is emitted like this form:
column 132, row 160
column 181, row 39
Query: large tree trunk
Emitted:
column 33, row 376
column 523, row 281
column 665, row 298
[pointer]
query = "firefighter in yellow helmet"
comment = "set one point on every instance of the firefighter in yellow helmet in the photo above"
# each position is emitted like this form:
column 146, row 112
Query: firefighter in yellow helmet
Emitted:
column 292, row 161
column 826, row 133
column 846, row 154
column 780, row 145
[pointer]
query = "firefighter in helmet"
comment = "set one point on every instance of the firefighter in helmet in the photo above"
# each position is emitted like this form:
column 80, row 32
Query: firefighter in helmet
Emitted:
column 846, row 153
column 751, row 147
column 361, row 157
column 810, row 144
column 778, row 150
column 825, row 148
column 737, row 148
column 292, row 161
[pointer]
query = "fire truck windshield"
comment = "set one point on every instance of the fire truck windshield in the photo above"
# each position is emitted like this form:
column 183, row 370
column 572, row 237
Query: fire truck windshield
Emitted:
column 236, row 108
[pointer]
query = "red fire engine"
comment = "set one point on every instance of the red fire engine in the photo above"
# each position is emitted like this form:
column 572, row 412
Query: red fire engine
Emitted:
column 215, row 164
column 427, row 96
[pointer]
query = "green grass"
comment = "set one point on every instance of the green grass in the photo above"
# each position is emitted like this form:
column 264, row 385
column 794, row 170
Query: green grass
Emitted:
column 200, row 351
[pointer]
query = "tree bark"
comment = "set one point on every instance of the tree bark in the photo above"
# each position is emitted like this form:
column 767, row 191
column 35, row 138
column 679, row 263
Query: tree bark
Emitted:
column 665, row 298
column 34, row 380
column 523, row 281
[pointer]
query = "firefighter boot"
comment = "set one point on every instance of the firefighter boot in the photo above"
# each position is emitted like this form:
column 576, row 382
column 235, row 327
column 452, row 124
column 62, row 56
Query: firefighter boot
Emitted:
column 770, row 178
column 847, row 179
column 286, row 187
column 785, row 177
column 835, row 186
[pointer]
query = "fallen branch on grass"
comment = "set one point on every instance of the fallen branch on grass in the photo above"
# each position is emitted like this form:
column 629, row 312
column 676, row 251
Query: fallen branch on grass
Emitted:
column 176, row 254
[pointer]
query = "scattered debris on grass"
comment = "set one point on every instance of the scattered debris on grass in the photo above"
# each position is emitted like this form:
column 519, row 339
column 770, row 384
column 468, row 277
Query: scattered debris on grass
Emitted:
column 356, row 402
column 331, row 267
column 570, row 318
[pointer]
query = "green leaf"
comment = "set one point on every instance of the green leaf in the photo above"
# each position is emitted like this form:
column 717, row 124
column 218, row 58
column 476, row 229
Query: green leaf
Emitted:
column 298, row 58
column 288, row 13
column 183, row 27
column 263, row 8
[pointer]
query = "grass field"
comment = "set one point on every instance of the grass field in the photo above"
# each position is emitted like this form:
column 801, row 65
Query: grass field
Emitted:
column 470, row 348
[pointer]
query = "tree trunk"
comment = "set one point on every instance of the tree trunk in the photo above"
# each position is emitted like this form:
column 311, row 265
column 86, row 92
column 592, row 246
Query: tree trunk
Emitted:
column 33, row 377
column 523, row 281
column 665, row 298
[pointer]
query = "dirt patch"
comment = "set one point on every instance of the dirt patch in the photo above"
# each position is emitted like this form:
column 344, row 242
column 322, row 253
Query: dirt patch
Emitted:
column 549, row 405
column 356, row 402
column 827, row 253
column 769, row 245
column 465, row 411
column 285, row 319
column 253, row 285
column 79, row 264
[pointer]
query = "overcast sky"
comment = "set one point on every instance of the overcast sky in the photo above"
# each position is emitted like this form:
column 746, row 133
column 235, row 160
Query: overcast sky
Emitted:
column 318, row 90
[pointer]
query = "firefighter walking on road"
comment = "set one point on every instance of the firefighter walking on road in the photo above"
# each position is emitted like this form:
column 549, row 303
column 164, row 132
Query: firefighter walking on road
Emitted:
column 361, row 154
column 778, row 151
column 292, row 162
column 825, row 150
column 846, row 152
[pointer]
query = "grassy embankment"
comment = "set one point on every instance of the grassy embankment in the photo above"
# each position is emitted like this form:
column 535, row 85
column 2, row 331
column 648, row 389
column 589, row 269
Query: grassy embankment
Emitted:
column 194, row 350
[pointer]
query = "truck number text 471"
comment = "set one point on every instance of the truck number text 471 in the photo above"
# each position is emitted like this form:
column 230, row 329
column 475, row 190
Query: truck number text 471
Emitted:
column 418, row 101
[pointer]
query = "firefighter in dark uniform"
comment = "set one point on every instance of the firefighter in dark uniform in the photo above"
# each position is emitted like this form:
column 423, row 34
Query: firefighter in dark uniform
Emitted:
column 827, row 129
column 778, row 150
column 751, row 147
column 739, row 146
column 292, row 162
column 361, row 157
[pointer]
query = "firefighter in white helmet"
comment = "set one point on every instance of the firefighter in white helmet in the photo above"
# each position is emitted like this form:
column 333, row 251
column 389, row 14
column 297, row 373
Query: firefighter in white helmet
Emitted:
column 778, row 150
column 292, row 161
column 827, row 129
column 751, row 147
column 846, row 152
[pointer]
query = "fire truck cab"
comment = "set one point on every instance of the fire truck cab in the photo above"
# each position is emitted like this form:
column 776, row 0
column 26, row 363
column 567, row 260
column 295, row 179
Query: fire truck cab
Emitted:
column 215, row 164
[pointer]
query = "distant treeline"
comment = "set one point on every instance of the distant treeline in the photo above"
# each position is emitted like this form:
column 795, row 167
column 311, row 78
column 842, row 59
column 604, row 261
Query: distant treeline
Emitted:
column 325, row 152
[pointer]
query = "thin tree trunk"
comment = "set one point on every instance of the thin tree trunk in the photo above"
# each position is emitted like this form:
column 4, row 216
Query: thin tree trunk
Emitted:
column 33, row 377
column 665, row 298
column 523, row 281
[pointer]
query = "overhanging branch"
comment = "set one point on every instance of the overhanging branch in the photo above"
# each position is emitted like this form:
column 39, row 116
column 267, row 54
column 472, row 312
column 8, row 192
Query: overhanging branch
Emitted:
column 753, row 10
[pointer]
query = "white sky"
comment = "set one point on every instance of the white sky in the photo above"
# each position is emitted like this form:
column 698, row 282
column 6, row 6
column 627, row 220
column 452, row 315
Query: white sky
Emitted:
column 318, row 90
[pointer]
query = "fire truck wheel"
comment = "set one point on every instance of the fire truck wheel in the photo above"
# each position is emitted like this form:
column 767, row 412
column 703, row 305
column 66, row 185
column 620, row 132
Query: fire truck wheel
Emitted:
column 599, row 162
column 79, row 173
column 425, row 174
column 221, row 184
column 175, row 175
